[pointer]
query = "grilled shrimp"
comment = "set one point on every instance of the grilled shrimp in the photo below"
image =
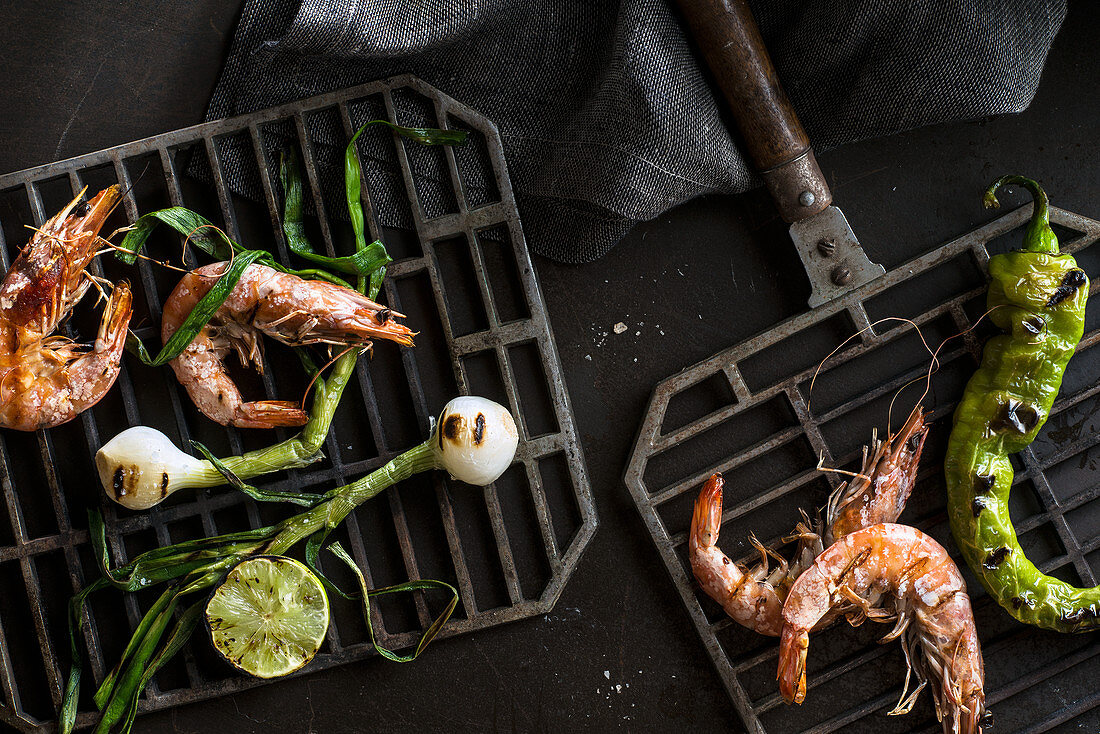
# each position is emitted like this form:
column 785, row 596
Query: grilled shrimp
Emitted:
column 747, row 595
column 926, row 594
column 46, row 379
column 285, row 307
column 754, row 597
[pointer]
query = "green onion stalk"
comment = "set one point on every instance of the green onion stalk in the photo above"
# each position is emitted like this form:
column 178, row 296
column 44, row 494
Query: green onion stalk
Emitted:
column 474, row 440
column 140, row 467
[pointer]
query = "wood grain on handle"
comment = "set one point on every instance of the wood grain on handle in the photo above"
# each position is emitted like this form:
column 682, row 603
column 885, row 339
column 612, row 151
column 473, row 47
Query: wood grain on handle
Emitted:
column 773, row 137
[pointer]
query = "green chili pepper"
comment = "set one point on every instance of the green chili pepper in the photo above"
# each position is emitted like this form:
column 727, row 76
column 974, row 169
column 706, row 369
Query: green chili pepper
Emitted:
column 1038, row 296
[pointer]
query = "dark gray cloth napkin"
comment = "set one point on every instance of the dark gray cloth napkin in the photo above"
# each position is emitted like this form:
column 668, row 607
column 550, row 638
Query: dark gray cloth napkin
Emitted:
column 606, row 115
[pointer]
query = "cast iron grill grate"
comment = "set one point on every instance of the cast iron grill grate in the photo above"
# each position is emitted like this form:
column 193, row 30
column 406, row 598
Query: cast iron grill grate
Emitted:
column 464, row 279
column 748, row 413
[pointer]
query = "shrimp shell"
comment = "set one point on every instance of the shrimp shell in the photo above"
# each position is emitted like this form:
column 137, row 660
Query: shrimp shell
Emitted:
column 930, row 609
column 879, row 493
column 283, row 306
column 46, row 379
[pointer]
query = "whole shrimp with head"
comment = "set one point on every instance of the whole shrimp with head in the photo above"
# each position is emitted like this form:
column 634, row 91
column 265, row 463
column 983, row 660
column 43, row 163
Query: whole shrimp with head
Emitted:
column 927, row 600
column 287, row 308
column 47, row 379
column 753, row 597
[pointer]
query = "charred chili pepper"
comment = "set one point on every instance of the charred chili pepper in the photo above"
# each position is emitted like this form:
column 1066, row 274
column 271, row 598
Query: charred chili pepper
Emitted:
column 1038, row 296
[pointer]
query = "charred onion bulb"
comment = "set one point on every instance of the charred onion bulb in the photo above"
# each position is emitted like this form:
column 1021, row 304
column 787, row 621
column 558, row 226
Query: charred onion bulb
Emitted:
column 475, row 439
column 141, row 466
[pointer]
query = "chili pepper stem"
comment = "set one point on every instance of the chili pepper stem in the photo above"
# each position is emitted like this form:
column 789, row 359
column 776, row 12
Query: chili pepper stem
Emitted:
column 1038, row 236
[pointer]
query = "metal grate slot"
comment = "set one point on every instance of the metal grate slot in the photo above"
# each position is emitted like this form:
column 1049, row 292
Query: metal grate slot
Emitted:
column 748, row 410
column 464, row 277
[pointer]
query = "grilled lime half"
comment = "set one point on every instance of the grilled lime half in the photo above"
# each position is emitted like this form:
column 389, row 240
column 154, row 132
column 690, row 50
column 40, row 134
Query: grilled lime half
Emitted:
column 269, row 617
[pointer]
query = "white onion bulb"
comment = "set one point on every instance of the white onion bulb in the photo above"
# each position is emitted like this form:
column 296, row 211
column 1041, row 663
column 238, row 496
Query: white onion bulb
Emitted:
column 141, row 466
column 475, row 439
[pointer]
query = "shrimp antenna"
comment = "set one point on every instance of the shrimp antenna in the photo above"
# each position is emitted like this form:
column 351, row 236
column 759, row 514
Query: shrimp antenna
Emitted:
column 111, row 246
column 58, row 242
column 135, row 182
column 56, row 239
column 317, row 374
column 98, row 282
column 934, row 365
column 125, row 192
column 869, row 327
column 832, row 470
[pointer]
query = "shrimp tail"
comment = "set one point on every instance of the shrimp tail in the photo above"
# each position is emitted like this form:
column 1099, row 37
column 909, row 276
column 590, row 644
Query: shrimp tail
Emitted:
column 707, row 517
column 793, row 646
column 270, row 414
column 116, row 317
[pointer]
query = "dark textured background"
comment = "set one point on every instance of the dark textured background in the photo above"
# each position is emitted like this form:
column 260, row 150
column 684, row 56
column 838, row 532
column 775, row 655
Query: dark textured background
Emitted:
column 78, row 76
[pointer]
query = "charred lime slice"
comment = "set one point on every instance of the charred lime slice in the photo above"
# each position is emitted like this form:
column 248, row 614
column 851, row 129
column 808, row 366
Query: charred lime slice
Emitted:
column 269, row 617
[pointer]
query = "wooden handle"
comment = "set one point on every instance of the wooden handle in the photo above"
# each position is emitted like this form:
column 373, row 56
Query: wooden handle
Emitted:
column 774, row 139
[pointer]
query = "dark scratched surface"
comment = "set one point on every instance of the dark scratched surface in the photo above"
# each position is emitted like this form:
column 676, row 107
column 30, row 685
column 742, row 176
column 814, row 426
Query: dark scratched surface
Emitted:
column 618, row 652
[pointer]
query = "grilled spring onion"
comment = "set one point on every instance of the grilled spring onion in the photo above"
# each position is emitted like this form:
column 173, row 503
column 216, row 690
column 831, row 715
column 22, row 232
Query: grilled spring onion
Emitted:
column 141, row 466
column 474, row 439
